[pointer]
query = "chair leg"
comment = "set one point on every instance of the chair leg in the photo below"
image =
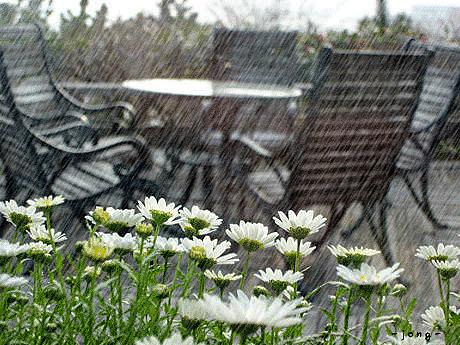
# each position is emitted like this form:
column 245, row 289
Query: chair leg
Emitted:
column 423, row 200
column 3, row 227
column 208, row 187
column 128, row 192
column 337, row 213
column 191, row 183
column 426, row 202
column 9, row 195
column 381, row 237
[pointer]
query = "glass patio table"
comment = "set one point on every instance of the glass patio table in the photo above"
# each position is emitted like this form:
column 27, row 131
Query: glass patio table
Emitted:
column 222, row 93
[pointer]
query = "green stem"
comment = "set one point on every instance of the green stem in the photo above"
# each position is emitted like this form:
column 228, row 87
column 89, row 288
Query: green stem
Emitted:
column 188, row 278
column 447, row 302
column 245, row 270
column 165, row 269
column 332, row 325
column 92, row 318
column 201, row 285
column 347, row 316
column 376, row 329
column 120, row 300
column 155, row 235
column 141, row 252
column 441, row 295
column 297, row 257
column 366, row 321
column 176, row 273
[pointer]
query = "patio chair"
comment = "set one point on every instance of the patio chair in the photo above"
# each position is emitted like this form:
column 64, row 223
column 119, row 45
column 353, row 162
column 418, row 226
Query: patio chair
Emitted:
column 35, row 166
column 255, row 57
column 441, row 87
column 259, row 57
column 359, row 113
column 36, row 94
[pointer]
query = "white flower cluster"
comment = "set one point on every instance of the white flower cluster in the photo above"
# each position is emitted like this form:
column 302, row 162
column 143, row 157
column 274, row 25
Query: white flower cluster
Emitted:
column 443, row 258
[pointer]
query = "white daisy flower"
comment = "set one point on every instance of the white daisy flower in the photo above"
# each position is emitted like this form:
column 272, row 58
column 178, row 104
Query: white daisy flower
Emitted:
column 46, row 202
column 207, row 252
column 126, row 243
column 97, row 249
column 220, row 279
column 20, row 216
column 39, row 250
column 278, row 280
column 8, row 249
column 191, row 313
column 291, row 293
column 98, row 216
column 251, row 236
column 120, row 220
column 368, row 275
column 441, row 253
column 447, row 269
column 300, row 225
column 353, row 255
column 8, row 281
column 158, row 212
column 41, row 233
column 144, row 230
column 434, row 317
column 288, row 247
column 198, row 222
column 246, row 314
column 91, row 271
column 168, row 247
column 175, row 339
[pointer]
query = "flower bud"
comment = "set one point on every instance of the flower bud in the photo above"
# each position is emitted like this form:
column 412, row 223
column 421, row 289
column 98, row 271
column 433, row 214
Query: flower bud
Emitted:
column 111, row 266
column 97, row 250
column 53, row 292
column 399, row 290
column 144, row 230
column 51, row 327
column 100, row 216
column 160, row 291
column 91, row 272
column 18, row 298
column 71, row 280
column 197, row 253
column 260, row 290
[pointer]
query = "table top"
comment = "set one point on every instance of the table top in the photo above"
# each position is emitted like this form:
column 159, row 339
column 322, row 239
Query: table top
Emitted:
column 211, row 89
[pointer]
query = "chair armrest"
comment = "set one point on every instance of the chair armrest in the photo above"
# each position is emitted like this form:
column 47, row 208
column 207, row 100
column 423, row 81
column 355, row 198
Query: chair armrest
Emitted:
column 414, row 132
column 90, row 153
column 70, row 116
column 75, row 134
column 62, row 129
column 128, row 112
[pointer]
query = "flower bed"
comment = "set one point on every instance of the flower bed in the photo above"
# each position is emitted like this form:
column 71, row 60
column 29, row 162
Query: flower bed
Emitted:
column 127, row 284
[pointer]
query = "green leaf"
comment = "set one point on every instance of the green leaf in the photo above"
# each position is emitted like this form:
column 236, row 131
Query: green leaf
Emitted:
column 410, row 308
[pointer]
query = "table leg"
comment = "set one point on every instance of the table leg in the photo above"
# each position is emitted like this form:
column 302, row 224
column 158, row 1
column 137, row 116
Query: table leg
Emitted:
column 223, row 119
